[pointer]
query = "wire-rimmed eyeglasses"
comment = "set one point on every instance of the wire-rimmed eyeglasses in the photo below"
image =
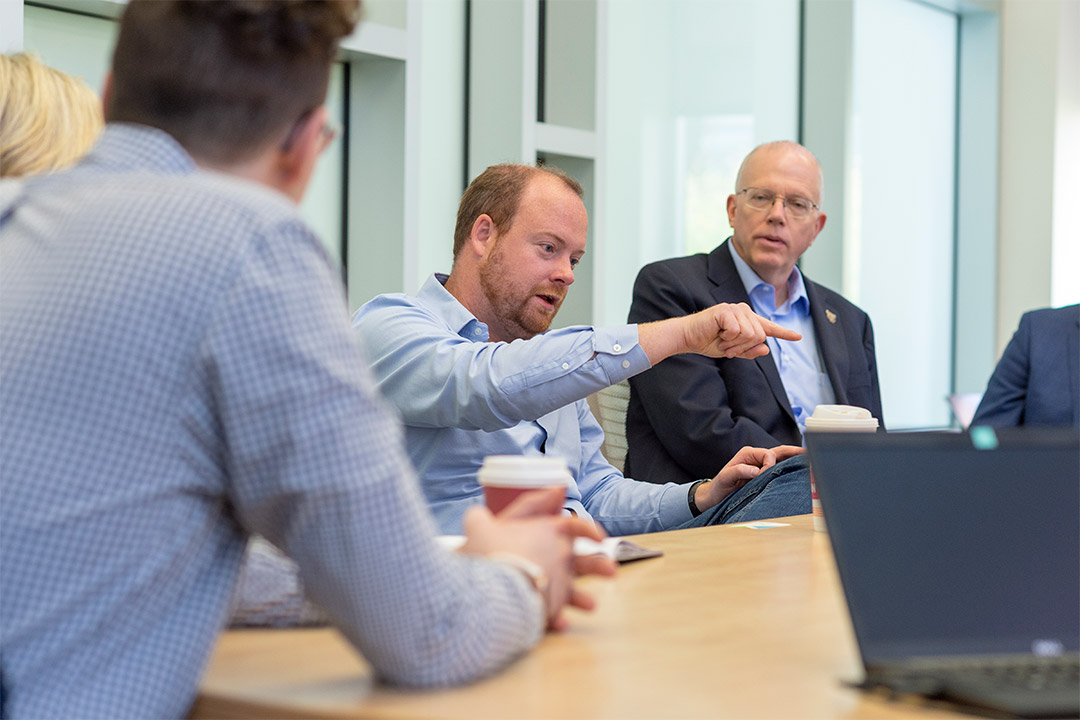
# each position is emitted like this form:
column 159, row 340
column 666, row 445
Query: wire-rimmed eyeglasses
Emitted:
column 797, row 206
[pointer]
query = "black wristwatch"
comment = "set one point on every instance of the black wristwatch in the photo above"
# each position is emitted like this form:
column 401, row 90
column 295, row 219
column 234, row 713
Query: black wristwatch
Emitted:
column 690, row 497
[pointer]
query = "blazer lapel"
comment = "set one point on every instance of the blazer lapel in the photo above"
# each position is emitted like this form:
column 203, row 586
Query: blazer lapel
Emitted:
column 728, row 288
column 829, row 328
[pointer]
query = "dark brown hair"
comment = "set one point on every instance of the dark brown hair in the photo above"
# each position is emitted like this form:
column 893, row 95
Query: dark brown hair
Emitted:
column 496, row 192
column 226, row 77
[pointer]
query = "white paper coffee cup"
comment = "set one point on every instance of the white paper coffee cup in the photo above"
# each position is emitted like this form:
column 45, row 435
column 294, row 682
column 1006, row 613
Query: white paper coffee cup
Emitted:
column 841, row 418
column 835, row 418
column 504, row 477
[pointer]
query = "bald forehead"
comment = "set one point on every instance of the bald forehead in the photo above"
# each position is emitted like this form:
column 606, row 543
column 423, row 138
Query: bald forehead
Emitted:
column 545, row 187
column 780, row 156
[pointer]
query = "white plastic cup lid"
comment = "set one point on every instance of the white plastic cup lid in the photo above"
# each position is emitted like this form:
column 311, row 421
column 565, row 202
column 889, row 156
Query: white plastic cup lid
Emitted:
column 840, row 417
column 523, row 471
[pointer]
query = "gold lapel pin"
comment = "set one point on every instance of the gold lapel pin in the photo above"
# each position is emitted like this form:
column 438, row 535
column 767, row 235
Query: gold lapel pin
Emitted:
column 831, row 316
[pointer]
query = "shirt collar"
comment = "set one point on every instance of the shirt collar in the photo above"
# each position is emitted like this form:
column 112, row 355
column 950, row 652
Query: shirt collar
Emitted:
column 797, row 298
column 433, row 294
column 127, row 146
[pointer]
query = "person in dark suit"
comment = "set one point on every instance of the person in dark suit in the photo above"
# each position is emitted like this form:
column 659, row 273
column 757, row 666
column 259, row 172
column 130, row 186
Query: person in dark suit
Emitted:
column 1037, row 379
column 690, row 413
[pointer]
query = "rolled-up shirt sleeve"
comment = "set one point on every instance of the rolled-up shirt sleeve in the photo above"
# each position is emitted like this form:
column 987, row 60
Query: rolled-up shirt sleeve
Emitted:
column 621, row 505
column 439, row 375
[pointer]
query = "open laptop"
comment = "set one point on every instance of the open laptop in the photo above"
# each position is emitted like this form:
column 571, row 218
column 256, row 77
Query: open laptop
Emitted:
column 959, row 555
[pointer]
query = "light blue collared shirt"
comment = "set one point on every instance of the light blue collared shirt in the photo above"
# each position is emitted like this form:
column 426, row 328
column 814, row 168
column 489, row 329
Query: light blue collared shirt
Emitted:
column 463, row 398
column 801, row 369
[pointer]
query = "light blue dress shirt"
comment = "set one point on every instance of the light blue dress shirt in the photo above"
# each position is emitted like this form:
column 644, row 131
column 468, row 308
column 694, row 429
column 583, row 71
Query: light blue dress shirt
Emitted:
column 177, row 371
column 799, row 363
column 463, row 398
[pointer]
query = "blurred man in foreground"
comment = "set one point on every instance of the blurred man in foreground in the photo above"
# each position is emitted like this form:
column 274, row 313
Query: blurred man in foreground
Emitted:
column 178, row 373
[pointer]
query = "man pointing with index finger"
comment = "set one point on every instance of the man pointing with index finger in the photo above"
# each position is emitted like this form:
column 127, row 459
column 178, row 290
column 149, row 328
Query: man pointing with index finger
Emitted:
column 472, row 368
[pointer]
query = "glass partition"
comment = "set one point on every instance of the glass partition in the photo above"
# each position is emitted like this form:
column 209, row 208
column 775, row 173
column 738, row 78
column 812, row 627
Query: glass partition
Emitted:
column 568, row 63
column 692, row 86
column 899, row 226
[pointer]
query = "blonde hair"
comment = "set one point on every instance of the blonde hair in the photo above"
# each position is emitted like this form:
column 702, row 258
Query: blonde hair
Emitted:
column 48, row 119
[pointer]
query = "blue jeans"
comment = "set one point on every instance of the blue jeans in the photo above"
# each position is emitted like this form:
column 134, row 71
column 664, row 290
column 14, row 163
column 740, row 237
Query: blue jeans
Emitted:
column 783, row 489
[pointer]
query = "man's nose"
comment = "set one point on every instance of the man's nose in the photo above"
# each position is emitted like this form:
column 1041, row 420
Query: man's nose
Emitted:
column 564, row 273
column 777, row 209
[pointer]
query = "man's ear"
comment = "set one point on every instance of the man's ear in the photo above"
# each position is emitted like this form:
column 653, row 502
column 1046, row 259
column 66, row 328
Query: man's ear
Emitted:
column 483, row 234
column 819, row 223
column 106, row 96
column 731, row 210
column 296, row 158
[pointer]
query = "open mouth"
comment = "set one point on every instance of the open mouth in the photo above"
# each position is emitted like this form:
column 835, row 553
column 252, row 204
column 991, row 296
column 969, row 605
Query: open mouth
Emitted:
column 550, row 302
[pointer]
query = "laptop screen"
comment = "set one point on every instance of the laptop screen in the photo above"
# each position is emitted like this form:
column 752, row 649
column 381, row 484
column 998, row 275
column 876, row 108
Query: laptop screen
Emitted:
column 944, row 549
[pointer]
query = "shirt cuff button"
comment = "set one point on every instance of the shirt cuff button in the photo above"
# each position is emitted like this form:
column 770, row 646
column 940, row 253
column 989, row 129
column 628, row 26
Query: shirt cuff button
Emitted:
column 616, row 347
column 626, row 363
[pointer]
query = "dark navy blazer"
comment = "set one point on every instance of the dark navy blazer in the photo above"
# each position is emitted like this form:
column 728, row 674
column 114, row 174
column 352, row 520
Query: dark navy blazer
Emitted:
column 1037, row 380
column 690, row 414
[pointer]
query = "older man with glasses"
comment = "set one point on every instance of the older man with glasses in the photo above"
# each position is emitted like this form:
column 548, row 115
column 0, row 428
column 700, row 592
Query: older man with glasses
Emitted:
column 690, row 413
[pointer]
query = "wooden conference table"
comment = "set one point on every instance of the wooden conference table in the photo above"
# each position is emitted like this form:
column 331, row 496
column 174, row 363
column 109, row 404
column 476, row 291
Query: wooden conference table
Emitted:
column 731, row 622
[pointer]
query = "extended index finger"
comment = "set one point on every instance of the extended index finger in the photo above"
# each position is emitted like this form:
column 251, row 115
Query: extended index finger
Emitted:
column 778, row 331
column 783, row 452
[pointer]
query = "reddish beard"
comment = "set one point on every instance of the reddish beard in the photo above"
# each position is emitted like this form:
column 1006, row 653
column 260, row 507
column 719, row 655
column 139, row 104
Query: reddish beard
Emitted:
column 513, row 306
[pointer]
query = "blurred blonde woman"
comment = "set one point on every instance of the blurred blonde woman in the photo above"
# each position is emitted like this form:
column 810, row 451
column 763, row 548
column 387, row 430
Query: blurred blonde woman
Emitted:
column 48, row 119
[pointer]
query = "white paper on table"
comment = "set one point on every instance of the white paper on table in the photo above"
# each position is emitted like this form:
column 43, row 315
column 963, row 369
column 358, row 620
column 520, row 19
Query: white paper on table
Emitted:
column 620, row 550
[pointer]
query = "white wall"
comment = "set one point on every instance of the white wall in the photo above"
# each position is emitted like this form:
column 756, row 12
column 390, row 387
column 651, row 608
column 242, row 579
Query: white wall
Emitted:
column 437, row 84
column 1029, row 91
column 1064, row 284
column 11, row 27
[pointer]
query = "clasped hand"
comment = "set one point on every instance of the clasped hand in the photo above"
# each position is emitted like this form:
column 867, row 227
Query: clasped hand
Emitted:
column 747, row 464
column 532, row 528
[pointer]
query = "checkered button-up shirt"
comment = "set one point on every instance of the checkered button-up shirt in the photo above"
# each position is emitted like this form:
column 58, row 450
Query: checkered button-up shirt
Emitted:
column 177, row 372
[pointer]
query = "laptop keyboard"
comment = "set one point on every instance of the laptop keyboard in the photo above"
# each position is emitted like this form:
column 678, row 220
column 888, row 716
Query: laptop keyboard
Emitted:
column 1031, row 686
column 1031, row 673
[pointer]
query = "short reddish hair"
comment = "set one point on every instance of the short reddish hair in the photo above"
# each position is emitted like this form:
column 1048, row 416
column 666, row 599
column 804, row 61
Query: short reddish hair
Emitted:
column 496, row 192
